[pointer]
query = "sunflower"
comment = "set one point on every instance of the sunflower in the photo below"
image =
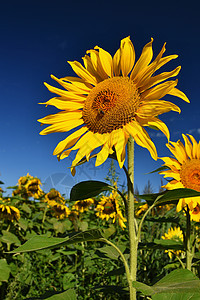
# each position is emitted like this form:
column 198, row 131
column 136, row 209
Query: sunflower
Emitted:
column 28, row 186
column 174, row 234
column 60, row 211
column 8, row 211
column 184, row 168
column 54, row 196
column 112, row 99
column 108, row 208
column 82, row 205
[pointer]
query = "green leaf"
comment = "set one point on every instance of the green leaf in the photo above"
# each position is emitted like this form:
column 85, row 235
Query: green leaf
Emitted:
column 88, row 189
column 67, row 295
column 145, row 289
column 169, row 196
column 159, row 169
column 1, row 182
column 163, row 219
column 9, row 238
column 111, row 252
column 179, row 284
column 4, row 270
column 40, row 242
column 169, row 244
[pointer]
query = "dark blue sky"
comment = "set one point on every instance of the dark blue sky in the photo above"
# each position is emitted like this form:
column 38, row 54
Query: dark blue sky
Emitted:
column 37, row 39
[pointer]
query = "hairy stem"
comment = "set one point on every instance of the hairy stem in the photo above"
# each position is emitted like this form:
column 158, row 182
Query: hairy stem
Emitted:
column 131, row 220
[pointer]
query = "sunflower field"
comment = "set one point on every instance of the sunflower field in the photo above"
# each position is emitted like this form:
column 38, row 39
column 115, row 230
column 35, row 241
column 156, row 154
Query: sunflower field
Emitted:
column 65, row 255
column 107, row 241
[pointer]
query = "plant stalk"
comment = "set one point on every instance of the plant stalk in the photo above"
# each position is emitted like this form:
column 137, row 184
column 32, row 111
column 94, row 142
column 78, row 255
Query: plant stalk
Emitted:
column 189, row 255
column 133, row 240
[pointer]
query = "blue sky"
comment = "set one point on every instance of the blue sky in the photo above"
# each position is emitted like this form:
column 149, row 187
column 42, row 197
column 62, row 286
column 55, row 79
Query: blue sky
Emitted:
column 37, row 39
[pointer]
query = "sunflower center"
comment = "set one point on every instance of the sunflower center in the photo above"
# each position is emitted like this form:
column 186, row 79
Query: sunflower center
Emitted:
column 110, row 105
column 190, row 174
column 108, row 208
column 196, row 210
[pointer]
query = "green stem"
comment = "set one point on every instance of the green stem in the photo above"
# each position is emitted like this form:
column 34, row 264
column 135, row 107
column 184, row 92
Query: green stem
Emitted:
column 189, row 255
column 120, row 253
column 133, row 240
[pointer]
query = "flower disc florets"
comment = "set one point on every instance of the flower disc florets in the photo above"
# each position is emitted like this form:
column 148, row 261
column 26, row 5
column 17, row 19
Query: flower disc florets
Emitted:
column 190, row 174
column 110, row 105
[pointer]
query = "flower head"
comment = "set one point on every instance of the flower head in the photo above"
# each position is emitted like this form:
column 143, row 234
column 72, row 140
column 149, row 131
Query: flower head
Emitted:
column 174, row 234
column 184, row 168
column 54, row 196
column 82, row 205
column 29, row 186
column 7, row 211
column 108, row 208
column 60, row 211
column 57, row 204
column 112, row 99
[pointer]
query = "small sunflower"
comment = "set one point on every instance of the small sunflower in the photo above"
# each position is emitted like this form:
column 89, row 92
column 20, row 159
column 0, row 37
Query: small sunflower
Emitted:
column 112, row 99
column 83, row 205
column 185, row 171
column 108, row 208
column 60, row 211
column 54, row 196
column 174, row 234
column 29, row 186
column 8, row 211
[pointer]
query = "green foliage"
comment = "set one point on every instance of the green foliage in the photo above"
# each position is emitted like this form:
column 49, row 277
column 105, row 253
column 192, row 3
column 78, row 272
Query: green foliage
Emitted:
column 45, row 257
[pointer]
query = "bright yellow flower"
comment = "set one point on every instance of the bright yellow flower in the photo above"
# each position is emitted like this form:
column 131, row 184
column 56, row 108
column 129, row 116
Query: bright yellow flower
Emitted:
column 185, row 171
column 108, row 208
column 82, row 205
column 112, row 99
column 174, row 234
column 8, row 211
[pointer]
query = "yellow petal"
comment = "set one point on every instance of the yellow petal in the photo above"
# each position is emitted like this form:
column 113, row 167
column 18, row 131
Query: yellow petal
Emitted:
column 143, row 61
column 106, row 61
column 170, row 173
column 194, row 148
column 87, row 144
column 116, row 63
column 81, row 89
column 70, row 140
column 141, row 137
column 119, row 142
column 62, row 126
column 103, row 154
column 64, row 105
column 178, row 151
column 159, row 78
column 171, row 162
column 60, row 117
column 188, row 146
column 82, row 72
column 158, row 124
column 150, row 109
column 176, row 92
column 174, row 184
column 127, row 56
column 159, row 90
column 65, row 94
